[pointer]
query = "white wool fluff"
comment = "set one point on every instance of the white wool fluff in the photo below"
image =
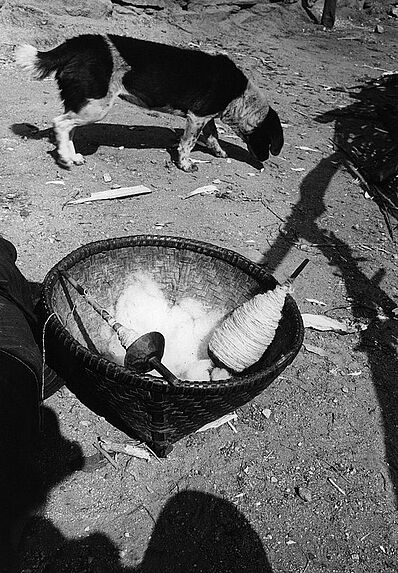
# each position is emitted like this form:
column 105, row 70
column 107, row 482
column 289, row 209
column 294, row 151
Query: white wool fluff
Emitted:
column 186, row 326
column 199, row 370
column 220, row 374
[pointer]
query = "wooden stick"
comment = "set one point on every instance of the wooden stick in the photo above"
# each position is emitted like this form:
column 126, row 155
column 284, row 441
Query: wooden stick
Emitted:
column 105, row 454
column 334, row 484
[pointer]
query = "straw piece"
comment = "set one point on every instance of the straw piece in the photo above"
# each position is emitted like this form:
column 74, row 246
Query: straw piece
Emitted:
column 118, row 193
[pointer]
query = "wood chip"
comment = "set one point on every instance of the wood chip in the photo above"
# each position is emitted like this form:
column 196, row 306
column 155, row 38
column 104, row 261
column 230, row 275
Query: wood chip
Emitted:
column 217, row 423
column 128, row 449
column 304, row 148
column 315, row 350
column 324, row 323
column 205, row 190
column 113, row 194
column 315, row 301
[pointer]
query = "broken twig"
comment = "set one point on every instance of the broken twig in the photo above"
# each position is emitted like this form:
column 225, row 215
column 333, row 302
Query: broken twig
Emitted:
column 334, row 484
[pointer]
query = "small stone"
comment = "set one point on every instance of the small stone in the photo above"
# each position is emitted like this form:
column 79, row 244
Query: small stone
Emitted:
column 107, row 178
column 304, row 493
column 273, row 480
column 393, row 534
column 379, row 29
column 266, row 413
column 355, row 557
column 345, row 389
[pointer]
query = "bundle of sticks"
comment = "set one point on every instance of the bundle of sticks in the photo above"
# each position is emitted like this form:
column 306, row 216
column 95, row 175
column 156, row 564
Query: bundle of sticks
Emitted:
column 366, row 133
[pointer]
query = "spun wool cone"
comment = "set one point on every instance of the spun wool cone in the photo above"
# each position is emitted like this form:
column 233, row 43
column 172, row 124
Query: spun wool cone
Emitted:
column 240, row 341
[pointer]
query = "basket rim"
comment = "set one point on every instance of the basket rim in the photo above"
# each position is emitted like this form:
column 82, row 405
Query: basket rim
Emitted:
column 110, row 370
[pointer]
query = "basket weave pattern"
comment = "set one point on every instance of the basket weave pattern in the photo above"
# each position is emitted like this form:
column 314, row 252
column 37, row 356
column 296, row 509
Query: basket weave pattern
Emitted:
column 145, row 406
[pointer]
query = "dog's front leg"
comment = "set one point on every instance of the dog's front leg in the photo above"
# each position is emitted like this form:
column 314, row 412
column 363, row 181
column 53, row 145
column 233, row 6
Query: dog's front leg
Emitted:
column 210, row 137
column 192, row 131
column 63, row 126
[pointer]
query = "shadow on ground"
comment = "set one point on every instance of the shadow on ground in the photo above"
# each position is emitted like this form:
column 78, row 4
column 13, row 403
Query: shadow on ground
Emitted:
column 368, row 130
column 50, row 462
column 195, row 531
column 89, row 138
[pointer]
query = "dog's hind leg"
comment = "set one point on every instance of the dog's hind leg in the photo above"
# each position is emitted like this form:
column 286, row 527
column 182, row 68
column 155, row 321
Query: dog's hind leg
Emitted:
column 192, row 131
column 210, row 138
column 65, row 125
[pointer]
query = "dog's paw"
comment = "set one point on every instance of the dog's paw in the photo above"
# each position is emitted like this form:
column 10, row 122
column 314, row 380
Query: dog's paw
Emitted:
column 221, row 153
column 78, row 159
column 65, row 163
column 188, row 166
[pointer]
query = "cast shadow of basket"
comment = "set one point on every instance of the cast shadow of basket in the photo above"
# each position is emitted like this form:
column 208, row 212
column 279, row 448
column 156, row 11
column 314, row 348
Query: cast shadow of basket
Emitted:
column 195, row 531
column 88, row 139
column 367, row 132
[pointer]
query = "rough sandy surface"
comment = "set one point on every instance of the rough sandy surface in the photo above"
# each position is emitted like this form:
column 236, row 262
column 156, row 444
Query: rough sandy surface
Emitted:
column 307, row 483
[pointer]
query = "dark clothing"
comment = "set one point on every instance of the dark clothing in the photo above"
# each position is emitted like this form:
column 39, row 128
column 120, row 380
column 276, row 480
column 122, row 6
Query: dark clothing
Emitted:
column 20, row 368
column 329, row 13
column 20, row 395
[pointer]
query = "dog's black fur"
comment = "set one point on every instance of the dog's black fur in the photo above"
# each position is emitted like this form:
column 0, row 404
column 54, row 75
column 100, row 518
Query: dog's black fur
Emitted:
column 91, row 70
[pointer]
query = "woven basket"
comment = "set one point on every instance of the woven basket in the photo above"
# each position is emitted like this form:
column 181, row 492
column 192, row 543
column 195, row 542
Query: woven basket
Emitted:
column 145, row 406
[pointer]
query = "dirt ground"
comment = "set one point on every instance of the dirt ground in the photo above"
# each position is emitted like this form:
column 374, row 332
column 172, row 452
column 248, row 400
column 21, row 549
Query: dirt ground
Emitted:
column 306, row 479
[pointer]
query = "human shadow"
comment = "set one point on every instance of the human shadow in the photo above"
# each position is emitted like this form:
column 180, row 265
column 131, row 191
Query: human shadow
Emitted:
column 90, row 137
column 368, row 129
column 195, row 531
column 47, row 462
column 198, row 531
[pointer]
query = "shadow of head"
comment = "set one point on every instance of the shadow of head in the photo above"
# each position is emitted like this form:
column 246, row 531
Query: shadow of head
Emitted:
column 197, row 531
column 45, row 543
column 89, row 138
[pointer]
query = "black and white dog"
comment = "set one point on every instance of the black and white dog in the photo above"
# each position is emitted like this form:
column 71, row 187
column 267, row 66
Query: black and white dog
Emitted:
column 92, row 70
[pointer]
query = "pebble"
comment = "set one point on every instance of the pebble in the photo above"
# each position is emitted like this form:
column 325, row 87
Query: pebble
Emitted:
column 266, row 413
column 304, row 493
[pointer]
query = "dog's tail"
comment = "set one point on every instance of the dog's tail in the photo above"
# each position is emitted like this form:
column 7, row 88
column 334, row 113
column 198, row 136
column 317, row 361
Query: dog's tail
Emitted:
column 40, row 64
